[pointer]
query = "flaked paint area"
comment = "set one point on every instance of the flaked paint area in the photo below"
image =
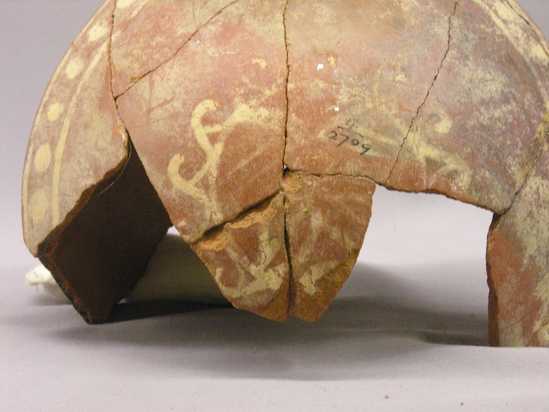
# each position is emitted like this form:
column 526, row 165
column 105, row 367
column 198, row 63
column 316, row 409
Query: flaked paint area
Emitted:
column 524, row 37
column 535, row 247
column 518, row 259
column 326, row 219
column 357, row 77
column 310, row 278
column 490, row 101
column 535, row 237
column 247, row 258
column 541, row 327
column 265, row 278
column 515, row 310
column 149, row 33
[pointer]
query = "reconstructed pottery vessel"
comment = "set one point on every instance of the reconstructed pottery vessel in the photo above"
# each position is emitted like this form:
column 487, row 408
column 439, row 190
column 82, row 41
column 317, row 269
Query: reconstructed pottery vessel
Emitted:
column 259, row 129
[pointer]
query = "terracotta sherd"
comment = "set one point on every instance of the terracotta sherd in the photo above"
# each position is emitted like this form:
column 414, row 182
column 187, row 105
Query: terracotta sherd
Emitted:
column 259, row 129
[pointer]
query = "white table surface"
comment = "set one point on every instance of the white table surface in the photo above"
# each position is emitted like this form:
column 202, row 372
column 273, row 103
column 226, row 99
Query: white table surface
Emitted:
column 407, row 333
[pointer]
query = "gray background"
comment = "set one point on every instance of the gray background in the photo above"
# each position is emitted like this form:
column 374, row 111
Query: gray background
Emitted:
column 407, row 332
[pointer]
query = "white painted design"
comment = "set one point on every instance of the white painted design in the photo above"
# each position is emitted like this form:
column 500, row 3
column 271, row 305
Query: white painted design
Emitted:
column 243, row 113
column 98, row 31
column 210, row 167
column 60, row 148
column 255, row 276
column 123, row 4
column 42, row 158
column 55, row 110
column 38, row 205
column 74, row 68
column 317, row 271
